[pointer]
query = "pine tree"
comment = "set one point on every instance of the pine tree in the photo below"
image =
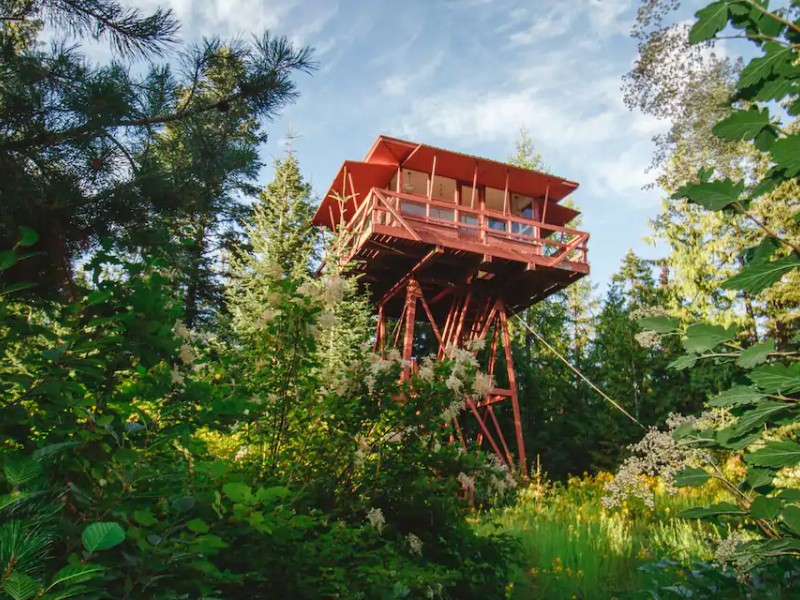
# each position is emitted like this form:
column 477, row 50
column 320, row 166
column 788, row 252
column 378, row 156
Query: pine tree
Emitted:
column 78, row 141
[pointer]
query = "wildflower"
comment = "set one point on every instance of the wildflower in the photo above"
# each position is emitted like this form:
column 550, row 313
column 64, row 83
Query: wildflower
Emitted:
column 465, row 480
column 181, row 330
column 451, row 412
column 272, row 398
column 425, row 373
column 334, row 290
column 453, row 383
column 414, row 544
column 483, row 384
column 647, row 339
column 376, row 519
column 476, row 344
column 186, row 354
column 176, row 377
column 327, row 320
column 307, row 289
column 241, row 453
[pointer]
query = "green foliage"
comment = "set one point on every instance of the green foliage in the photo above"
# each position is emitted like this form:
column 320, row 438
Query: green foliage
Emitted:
column 571, row 545
column 764, row 416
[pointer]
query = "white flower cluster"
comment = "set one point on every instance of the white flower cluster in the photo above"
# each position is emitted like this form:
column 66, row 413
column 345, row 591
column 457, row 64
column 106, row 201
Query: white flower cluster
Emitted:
column 483, row 384
column 376, row 519
column 500, row 478
column 453, row 410
column 644, row 312
column 648, row 339
column 657, row 454
column 414, row 544
column 466, row 481
column 377, row 365
column 241, row 453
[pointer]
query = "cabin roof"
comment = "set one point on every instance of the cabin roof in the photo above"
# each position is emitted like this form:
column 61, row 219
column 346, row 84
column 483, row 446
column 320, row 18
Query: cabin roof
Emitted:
column 354, row 179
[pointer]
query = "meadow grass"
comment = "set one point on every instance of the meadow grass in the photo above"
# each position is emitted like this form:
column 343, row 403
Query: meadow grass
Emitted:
column 571, row 546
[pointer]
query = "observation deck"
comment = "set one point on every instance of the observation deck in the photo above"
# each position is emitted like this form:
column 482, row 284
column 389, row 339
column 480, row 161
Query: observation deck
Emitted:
column 450, row 220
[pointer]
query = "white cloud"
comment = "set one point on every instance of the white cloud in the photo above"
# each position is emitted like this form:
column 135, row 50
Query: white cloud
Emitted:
column 583, row 18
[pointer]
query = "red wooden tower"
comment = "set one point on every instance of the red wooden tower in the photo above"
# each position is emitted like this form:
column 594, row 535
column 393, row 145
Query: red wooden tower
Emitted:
column 463, row 243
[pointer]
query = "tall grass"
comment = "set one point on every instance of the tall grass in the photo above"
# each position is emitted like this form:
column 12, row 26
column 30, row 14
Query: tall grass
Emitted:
column 573, row 547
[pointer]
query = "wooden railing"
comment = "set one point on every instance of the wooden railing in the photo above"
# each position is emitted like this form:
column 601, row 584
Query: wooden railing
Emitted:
column 524, row 236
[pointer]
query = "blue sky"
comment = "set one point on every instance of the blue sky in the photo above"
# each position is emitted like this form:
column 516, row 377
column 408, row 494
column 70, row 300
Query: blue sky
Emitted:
column 465, row 75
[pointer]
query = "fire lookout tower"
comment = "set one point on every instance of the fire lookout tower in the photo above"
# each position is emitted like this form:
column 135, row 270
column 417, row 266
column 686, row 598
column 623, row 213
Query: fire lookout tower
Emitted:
column 470, row 241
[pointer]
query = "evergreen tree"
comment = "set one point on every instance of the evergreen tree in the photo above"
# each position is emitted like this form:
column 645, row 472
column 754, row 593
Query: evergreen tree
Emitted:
column 82, row 146
column 283, row 217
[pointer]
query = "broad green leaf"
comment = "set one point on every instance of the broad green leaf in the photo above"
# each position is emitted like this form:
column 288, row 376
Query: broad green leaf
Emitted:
column 742, row 124
column 198, row 526
column 702, row 337
column 144, row 517
column 710, row 21
column 21, row 470
column 758, row 478
column 183, row 504
column 772, row 180
column 776, row 455
column 766, row 139
column 765, row 508
column 791, row 517
column 764, row 251
column 790, row 495
column 691, row 477
column 237, row 492
column 777, row 378
column 757, row 277
column 20, row 587
column 102, row 536
column 756, row 417
column 786, row 154
column 758, row 69
column 659, row 324
column 727, row 438
column 75, row 574
column 684, row 362
column 755, row 355
column 737, row 396
column 7, row 259
column 715, row 510
column 27, row 237
column 714, row 195
column 267, row 495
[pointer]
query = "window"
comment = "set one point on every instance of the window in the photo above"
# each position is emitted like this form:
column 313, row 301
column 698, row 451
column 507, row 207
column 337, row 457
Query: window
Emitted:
column 444, row 188
column 415, row 182
column 497, row 224
column 495, row 199
column 522, row 206
column 446, row 214
column 467, row 198
column 412, row 208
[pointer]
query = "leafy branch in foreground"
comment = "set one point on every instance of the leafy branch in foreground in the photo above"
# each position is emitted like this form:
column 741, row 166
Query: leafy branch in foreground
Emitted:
column 756, row 421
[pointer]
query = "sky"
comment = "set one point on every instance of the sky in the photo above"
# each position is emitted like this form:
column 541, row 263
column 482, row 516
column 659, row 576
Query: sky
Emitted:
column 465, row 75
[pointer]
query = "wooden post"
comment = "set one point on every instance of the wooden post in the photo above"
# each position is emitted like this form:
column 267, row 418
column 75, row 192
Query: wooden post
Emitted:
column 410, row 310
column 506, row 207
column 474, row 187
column 512, row 383
column 433, row 178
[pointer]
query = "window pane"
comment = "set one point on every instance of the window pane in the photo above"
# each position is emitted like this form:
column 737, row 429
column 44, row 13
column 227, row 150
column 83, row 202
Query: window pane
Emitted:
column 497, row 224
column 446, row 214
column 494, row 199
column 412, row 208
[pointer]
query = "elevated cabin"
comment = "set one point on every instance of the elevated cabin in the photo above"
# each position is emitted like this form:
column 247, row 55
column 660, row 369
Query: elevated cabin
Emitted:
column 453, row 222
